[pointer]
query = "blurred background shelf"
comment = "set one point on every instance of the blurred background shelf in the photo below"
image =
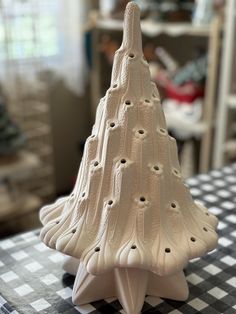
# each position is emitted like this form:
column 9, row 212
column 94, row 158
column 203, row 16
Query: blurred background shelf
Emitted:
column 29, row 104
column 29, row 204
column 232, row 101
column 19, row 208
column 21, row 218
column 35, row 108
column 152, row 28
column 22, row 164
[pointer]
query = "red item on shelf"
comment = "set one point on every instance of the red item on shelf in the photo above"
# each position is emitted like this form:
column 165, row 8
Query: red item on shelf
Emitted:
column 187, row 92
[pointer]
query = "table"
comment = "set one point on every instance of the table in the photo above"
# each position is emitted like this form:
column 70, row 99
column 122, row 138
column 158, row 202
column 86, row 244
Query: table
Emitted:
column 32, row 280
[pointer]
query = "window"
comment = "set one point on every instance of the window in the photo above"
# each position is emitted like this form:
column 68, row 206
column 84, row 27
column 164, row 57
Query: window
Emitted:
column 28, row 29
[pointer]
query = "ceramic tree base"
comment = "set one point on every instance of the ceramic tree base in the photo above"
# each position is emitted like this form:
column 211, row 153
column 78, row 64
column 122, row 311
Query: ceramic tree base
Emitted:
column 128, row 285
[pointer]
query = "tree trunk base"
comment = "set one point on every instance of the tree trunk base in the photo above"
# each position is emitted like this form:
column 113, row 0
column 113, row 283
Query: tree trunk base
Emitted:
column 128, row 285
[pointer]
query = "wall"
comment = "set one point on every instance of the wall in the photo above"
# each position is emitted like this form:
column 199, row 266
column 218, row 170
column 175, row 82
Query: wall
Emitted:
column 70, row 116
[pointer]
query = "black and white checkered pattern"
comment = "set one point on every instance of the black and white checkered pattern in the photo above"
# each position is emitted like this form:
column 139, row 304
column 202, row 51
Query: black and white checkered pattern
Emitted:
column 32, row 281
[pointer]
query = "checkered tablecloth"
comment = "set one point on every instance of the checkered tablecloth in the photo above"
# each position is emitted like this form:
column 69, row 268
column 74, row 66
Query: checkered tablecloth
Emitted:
column 32, row 280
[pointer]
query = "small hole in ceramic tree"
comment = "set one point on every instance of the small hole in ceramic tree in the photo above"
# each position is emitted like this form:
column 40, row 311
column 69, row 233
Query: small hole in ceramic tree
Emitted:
column 167, row 250
column 193, row 239
column 207, row 214
column 128, row 102
column 57, row 222
column 131, row 55
column 97, row 249
column 147, row 101
column 83, row 195
column 163, row 131
column 156, row 168
column 123, row 161
column 73, row 231
column 95, row 164
column 205, row 229
column 92, row 136
column 112, row 124
column 176, row 172
column 115, row 85
column 141, row 131
column 142, row 199
column 133, row 247
column 110, row 202
column 173, row 205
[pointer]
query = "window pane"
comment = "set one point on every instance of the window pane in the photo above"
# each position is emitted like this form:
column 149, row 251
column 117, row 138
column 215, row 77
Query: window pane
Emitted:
column 45, row 21
column 2, row 53
column 28, row 49
column 48, row 48
column 14, row 50
column 31, row 28
column 22, row 28
column 2, row 33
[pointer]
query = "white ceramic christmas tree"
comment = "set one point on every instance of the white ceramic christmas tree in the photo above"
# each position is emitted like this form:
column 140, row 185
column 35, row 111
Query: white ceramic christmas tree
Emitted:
column 130, row 225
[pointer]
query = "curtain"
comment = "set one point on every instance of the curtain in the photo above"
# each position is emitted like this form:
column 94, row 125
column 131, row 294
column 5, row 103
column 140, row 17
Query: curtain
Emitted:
column 72, row 20
column 46, row 34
